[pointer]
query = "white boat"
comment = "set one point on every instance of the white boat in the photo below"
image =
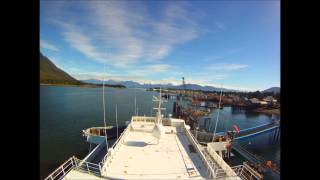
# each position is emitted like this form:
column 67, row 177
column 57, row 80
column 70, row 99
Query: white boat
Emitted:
column 97, row 135
column 151, row 148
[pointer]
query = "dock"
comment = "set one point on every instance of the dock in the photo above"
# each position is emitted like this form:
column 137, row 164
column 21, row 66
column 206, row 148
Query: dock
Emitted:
column 206, row 137
column 253, row 158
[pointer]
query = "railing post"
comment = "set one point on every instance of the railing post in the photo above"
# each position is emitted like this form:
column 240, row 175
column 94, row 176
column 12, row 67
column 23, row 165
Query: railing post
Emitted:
column 87, row 168
column 63, row 171
column 72, row 162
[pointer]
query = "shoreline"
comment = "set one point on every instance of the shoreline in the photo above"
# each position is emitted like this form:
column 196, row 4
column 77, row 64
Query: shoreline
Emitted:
column 267, row 111
column 80, row 86
column 68, row 85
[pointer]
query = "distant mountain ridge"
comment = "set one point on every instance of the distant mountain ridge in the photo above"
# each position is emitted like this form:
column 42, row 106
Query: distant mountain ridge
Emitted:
column 132, row 84
column 51, row 74
column 272, row 89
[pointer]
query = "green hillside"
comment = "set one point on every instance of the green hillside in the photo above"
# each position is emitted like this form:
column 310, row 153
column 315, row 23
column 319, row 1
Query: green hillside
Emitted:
column 51, row 74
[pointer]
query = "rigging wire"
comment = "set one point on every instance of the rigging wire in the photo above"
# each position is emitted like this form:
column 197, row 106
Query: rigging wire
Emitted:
column 104, row 106
column 215, row 128
column 117, row 119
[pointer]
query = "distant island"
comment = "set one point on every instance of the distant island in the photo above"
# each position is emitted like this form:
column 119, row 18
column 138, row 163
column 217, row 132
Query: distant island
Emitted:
column 51, row 75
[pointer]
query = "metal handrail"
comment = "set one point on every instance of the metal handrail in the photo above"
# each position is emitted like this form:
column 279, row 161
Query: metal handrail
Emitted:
column 120, row 137
column 62, row 169
column 237, row 169
column 73, row 163
column 209, row 166
column 89, row 166
column 258, row 158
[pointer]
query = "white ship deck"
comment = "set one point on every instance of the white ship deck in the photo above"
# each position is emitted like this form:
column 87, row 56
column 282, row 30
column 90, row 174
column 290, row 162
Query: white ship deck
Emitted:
column 138, row 155
column 141, row 157
column 149, row 148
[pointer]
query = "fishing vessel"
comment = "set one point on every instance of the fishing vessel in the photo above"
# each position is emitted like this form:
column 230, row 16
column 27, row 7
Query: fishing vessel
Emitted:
column 97, row 135
column 153, row 147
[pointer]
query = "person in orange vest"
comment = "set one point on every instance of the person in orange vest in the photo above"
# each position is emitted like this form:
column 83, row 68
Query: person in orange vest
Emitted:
column 269, row 164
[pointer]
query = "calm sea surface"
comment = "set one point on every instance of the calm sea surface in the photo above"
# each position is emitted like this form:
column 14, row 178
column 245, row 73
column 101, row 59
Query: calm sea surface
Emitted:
column 66, row 111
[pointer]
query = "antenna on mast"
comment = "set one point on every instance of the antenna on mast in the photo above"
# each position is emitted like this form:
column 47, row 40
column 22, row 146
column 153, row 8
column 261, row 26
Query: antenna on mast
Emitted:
column 156, row 99
column 158, row 130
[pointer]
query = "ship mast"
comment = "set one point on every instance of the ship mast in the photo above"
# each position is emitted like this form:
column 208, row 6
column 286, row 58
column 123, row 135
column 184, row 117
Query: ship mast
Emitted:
column 158, row 130
column 159, row 115
column 215, row 128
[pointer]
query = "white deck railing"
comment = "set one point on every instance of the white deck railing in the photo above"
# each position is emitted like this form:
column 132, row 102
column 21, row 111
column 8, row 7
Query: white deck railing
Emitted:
column 87, row 167
column 115, row 147
column 218, row 159
column 237, row 169
column 74, row 163
column 204, row 160
column 62, row 170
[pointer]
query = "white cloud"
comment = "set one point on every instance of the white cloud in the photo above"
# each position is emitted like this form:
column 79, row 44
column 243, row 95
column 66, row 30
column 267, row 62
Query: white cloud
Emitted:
column 157, row 68
column 47, row 45
column 226, row 66
column 121, row 35
column 125, row 35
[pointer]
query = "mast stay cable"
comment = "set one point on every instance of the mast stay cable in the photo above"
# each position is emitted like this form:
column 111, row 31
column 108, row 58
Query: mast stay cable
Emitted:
column 104, row 105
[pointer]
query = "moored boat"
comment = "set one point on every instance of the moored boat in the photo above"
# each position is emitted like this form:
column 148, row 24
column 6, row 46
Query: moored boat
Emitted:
column 97, row 135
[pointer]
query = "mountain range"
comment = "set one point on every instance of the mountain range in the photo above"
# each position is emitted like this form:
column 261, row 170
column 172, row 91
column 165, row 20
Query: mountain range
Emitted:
column 132, row 84
column 272, row 89
column 51, row 74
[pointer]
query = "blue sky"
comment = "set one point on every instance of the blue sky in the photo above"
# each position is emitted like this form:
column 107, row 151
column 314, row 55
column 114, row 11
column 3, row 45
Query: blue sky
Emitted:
column 234, row 44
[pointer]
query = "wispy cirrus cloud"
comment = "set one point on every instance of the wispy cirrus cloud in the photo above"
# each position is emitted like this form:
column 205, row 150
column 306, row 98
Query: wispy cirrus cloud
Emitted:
column 122, row 35
column 158, row 68
column 226, row 66
column 47, row 45
column 152, row 69
column 137, row 73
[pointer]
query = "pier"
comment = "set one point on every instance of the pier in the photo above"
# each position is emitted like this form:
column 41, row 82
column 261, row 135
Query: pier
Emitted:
column 253, row 158
column 206, row 137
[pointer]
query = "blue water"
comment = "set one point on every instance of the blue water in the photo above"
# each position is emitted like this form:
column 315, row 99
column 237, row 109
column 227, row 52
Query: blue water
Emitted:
column 263, row 145
column 228, row 117
column 66, row 111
